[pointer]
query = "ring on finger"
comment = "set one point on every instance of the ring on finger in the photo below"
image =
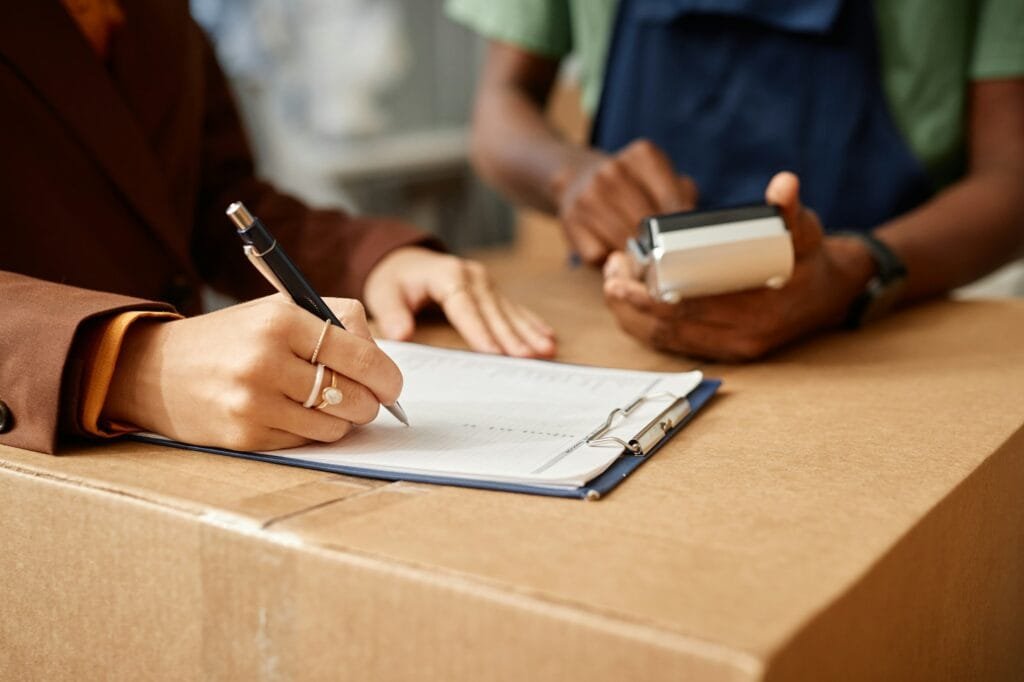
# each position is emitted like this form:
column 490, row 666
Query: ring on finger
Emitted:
column 320, row 342
column 331, row 395
column 454, row 291
column 318, row 382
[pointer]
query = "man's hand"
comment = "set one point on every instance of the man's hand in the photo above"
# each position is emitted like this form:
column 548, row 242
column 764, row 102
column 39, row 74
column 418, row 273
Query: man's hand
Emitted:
column 408, row 279
column 828, row 274
column 602, row 199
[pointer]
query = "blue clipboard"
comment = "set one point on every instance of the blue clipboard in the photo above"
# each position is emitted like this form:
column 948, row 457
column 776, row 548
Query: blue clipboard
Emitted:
column 594, row 489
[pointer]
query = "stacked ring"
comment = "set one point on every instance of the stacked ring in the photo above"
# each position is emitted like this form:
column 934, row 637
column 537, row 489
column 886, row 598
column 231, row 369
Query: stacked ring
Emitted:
column 320, row 342
column 331, row 395
column 318, row 381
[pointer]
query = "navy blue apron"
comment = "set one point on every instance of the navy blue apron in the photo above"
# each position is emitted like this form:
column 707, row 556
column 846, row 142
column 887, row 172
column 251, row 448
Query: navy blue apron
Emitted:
column 737, row 90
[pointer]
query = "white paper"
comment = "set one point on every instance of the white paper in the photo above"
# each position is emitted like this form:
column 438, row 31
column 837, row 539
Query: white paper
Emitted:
column 486, row 417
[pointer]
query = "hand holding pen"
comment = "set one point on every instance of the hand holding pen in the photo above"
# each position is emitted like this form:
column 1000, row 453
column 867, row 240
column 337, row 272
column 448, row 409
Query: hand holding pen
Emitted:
column 238, row 378
column 273, row 263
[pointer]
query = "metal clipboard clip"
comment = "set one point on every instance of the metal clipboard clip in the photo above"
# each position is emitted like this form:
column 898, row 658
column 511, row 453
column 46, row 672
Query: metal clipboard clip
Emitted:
column 651, row 434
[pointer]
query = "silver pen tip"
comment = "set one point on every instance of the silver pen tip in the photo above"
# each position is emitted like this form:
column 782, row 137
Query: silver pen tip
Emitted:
column 399, row 413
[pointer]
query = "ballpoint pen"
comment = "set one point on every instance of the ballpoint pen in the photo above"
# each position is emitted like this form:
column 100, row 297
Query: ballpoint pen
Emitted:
column 273, row 263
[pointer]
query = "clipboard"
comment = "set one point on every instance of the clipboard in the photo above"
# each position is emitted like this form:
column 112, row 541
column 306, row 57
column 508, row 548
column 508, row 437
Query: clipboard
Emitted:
column 643, row 444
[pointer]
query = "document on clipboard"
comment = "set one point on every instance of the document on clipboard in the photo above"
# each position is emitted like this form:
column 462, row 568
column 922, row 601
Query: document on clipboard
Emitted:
column 510, row 424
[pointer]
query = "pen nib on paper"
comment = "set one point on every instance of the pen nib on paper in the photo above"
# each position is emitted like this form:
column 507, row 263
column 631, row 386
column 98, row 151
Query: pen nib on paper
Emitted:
column 399, row 413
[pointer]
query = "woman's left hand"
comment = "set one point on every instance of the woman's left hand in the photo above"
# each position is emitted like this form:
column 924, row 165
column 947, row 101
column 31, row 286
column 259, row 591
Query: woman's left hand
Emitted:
column 409, row 278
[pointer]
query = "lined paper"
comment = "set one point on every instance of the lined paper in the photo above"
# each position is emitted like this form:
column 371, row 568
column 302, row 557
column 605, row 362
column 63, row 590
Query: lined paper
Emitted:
column 486, row 417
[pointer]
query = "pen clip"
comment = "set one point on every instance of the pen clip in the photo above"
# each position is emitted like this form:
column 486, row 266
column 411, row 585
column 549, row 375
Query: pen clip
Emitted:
column 264, row 269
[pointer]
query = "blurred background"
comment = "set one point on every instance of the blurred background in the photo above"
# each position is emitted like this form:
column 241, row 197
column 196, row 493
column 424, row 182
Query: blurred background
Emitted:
column 363, row 104
column 366, row 104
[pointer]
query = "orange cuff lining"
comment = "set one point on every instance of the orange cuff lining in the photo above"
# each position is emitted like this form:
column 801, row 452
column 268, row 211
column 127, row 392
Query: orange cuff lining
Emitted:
column 99, row 371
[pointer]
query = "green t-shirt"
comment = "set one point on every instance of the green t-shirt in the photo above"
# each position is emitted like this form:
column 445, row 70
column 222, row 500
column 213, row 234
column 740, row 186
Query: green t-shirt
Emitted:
column 930, row 51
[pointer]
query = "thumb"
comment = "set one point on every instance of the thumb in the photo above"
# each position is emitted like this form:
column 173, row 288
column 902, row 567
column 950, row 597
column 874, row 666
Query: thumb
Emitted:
column 804, row 226
column 393, row 314
column 784, row 192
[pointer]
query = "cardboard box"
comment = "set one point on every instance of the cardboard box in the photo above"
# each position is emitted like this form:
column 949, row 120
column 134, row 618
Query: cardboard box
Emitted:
column 850, row 509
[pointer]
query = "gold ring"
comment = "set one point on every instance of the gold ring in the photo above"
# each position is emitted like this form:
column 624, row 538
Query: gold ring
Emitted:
column 331, row 395
column 457, row 289
column 320, row 342
column 318, row 381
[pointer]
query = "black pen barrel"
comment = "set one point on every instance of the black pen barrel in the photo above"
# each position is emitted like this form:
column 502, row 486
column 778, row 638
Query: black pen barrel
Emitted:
column 296, row 284
column 254, row 233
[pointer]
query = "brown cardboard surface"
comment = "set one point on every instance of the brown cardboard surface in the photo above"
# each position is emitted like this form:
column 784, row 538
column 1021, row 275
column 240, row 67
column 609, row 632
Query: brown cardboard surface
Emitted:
column 849, row 509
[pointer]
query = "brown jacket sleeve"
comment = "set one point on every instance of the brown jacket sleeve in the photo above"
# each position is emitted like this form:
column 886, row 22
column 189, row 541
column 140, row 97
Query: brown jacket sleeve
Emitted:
column 39, row 322
column 335, row 251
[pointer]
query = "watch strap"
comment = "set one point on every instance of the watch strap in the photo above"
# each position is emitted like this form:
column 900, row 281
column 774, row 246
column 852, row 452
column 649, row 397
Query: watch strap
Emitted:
column 889, row 273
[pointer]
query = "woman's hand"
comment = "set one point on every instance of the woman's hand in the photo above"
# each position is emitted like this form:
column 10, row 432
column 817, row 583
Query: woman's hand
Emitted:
column 828, row 274
column 408, row 279
column 237, row 378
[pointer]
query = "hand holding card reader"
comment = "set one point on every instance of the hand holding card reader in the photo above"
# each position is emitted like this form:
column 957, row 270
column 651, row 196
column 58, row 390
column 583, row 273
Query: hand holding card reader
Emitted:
column 702, row 253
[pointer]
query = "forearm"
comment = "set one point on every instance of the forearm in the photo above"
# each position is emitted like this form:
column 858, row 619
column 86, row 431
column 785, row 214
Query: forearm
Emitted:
column 977, row 224
column 514, row 147
column 965, row 232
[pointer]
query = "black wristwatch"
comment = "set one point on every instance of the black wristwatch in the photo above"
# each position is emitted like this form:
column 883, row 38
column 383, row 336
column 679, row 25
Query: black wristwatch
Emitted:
column 883, row 289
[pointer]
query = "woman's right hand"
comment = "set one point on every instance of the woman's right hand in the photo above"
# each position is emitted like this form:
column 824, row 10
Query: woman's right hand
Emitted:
column 237, row 378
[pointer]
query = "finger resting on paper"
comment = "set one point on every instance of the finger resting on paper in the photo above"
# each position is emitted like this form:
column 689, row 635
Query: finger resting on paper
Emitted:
column 501, row 328
column 537, row 322
column 541, row 344
column 495, row 310
column 463, row 313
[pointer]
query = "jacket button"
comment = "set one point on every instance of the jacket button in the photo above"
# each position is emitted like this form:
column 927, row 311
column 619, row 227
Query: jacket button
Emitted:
column 6, row 418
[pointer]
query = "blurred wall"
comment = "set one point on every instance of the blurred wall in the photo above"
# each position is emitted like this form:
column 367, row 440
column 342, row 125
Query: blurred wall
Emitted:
column 361, row 103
